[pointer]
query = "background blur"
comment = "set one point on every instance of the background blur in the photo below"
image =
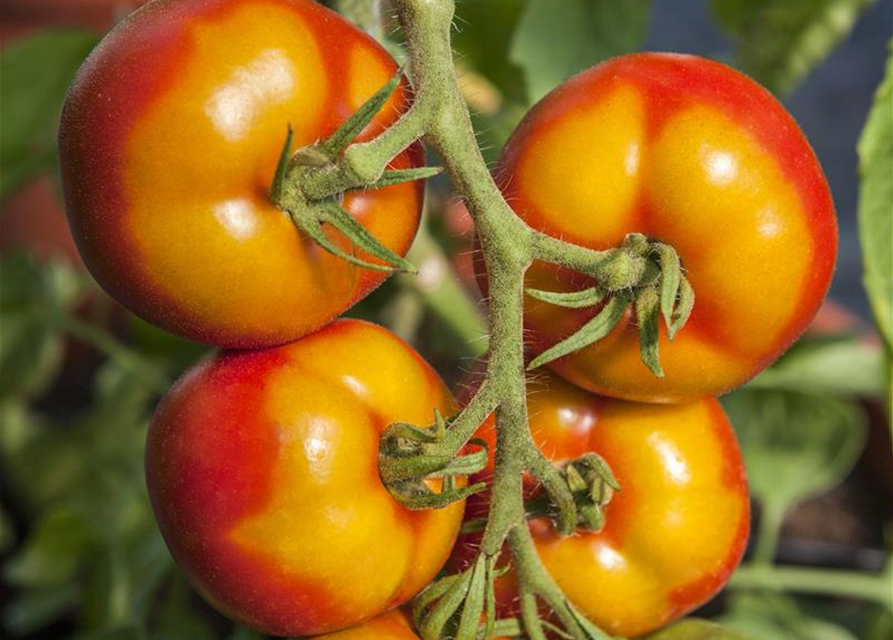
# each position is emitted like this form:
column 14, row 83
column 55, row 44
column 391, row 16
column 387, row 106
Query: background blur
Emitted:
column 79, row 552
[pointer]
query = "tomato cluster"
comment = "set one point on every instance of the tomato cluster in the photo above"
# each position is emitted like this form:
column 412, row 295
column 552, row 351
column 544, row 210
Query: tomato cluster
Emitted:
column 262, row 463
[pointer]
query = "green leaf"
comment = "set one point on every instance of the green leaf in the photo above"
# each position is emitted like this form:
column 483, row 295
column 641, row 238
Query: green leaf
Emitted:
column 30, row 348
column 693, row 629
column 876, row 204
column 176, row 617
column 795, row 445
column 36, row 74
column 53, row 552
column 840, row 367
column 781, row 42
column 551, row 44
column 483, row 38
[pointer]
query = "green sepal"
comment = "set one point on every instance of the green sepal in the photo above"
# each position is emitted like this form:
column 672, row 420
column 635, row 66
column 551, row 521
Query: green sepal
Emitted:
column 637, row 243
column 648, row 319
column 418, row 496
column 433, row 623
column 282, row 167
column 469, row 620
column 334, row 214
column 353, row 126
column 591, row 517
column 401, row 469
column 505, row 628
column 571, row 300
column 602, row 471
column 671, row 277
column 431, row 594
column 399, row 176
column 310, row 224
column 489, row 629
column 683, row 308
column 440, row 425
column 311, row 156
column 467, row 464
column 591, row 332
column 411, row 433
column 592, row 632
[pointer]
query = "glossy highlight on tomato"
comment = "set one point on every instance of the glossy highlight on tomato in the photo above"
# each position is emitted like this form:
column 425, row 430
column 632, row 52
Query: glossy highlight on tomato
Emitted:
column 262, row 467
column 169, row 140
column 694, row 154
column 675, row 531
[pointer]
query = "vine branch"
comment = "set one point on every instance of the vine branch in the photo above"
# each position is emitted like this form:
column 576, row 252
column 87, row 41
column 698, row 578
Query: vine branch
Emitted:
column 308, row 186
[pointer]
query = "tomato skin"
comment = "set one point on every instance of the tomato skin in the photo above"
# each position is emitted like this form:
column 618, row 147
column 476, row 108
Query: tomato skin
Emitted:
column 675, row 531
column 697, row 155
column 390, row 626
column 262, row 467
column 169, row 139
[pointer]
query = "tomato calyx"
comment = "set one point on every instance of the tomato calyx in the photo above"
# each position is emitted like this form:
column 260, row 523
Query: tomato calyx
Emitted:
column 453, row 606
column 592, row 485
column 651, row 282
column 309, row 185
column 409, row 457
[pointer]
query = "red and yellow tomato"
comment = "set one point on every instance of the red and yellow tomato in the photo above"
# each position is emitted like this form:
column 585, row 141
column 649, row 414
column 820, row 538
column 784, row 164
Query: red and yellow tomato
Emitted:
column 675, row 531
column 694, row 154
column 262, row 467
column 169, row 139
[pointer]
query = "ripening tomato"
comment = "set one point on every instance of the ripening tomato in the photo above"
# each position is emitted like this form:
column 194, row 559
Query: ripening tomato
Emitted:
column 694, row 154
column 262, row 467
column 169, row 139
column 391, row 626
column 674, row 532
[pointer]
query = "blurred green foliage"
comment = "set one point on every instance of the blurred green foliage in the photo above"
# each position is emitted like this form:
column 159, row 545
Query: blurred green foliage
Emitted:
column 36, row 72
column 779, row 43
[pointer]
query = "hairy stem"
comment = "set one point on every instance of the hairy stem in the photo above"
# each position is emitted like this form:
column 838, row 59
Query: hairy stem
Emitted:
column 440, row 117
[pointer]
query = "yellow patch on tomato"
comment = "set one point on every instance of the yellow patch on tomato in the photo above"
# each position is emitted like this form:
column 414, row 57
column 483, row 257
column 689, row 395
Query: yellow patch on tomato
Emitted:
column 582, row 172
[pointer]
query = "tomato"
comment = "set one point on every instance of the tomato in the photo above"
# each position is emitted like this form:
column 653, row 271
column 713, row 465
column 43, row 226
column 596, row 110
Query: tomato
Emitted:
column 262, row 467
column 694, row 154
column 391, row 626
column 675, row 531
column 169, row 139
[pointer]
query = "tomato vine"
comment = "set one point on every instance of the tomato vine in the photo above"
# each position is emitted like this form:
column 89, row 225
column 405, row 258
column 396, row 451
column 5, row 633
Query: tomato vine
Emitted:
column 313, row 179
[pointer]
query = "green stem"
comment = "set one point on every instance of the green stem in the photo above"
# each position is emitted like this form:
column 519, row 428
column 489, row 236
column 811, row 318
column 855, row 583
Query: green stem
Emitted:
column 440, row 117
column 771, row 520
column 102, row 341
column 829, row 582
column 441, row 292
